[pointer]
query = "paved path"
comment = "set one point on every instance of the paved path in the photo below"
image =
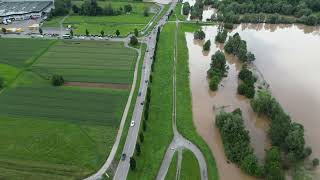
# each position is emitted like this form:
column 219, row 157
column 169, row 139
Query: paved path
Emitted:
column 115, row 146
column 179, row 141
column 129, row 147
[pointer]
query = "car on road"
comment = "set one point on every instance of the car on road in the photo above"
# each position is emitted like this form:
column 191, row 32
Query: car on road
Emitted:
column 123, row 157
column 139, row 94
column 142, row 103
column 132, row 123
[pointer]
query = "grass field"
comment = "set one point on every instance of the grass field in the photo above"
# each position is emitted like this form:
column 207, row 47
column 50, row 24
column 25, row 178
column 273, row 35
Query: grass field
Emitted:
column 178, row 10
column 159, row 125
column 185, row 123
column 61, row 132
column 91, row 61
column 189, row 166
column 125, row 23
column 172, row 171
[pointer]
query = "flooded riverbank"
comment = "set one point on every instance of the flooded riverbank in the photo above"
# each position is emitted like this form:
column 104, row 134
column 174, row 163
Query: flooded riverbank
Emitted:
column 287, row 57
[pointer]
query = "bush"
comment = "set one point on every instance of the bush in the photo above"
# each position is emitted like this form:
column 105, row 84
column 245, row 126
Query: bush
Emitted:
column 133, row 40
column 57, row 80
column 246, row 90
column 315, row 162
column 213, row 84
column 199, row 35
column 273, row 164
column 186, row 8
column 228, row 26
column 206, row 46
column 221, row 36
column 1, row 82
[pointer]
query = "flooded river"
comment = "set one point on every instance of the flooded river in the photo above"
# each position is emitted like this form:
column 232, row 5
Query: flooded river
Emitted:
column 288, row 57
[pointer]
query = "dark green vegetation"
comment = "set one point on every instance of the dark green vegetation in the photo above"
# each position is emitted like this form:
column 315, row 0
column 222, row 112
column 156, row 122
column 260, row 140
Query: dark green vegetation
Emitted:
column 238, row 47
column 57, row 80
column 206, row 46
column 199, row 34
column 158, row 127
column 92, row 61
column 269, row 11
column 222, row 35
column 186, row 8
column 197, row 10
column 246, row 88
column 236, row 142
column 61, row 8
column 133, row 40
column 273, row 166
column 217, row 69
column 55, row 132
column 287, row 135
column 189, row 166
column 184, row 117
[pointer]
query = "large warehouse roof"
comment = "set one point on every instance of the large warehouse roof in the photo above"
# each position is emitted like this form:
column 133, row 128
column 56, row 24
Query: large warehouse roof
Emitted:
column 22, row 7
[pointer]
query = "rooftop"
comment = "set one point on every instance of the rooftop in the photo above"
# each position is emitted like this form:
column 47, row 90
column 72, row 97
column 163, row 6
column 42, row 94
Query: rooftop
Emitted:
column 22, row 7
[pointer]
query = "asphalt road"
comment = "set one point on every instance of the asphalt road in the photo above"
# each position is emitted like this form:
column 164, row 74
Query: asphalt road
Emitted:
column 129, row 147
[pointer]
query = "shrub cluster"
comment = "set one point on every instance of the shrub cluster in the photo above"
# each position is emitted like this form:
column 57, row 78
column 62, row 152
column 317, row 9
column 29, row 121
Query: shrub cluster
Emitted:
column 285, row 134
column 217, row 69
column 236, row 142
column 246, row 88
column 238, row 47
column 57, row 80
column 221, row 36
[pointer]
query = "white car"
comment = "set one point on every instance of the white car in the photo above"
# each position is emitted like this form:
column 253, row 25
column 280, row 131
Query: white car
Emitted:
column 132, row 123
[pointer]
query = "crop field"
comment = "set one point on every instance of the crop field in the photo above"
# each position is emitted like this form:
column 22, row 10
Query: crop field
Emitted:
column 17, row 52
column 91, row 61
column 63, row 132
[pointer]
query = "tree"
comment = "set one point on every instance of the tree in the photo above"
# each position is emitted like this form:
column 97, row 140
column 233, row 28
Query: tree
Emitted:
column 295, row 140
column 57, row 80
column 87, row 32
column 71, row 32
column 146, row 12
column 133, row 41
column 132, row 163
column 315, row 162
column 141, row 136
column 206, row 46
column 199, row 34
column 250, row 165
column 75, row 9
column 127, row 8
column 221, row 36
column 40, row 31
column 250, row 57
column 138, row 149
column 144, row 125
column 136, row 32
column 273, row 165
column 4, row 30
column 186, row 8
column 1, row 82
column 102, row 33
column 117, row 32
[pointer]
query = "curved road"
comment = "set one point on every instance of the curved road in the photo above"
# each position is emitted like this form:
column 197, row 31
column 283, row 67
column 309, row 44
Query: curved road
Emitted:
column 179, row 142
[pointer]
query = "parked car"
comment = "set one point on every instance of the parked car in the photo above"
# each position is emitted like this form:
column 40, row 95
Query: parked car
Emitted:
column 132, row 123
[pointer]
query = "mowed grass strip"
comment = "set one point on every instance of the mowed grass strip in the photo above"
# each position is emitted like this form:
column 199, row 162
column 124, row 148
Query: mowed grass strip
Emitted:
column 17, row 52
column 184, row 116
column 158, row 134
column 189, row 166
column 87, row 61
column 93, row 107
column 172, row 171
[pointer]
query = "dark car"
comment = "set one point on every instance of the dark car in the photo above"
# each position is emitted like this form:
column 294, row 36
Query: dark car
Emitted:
column 142, row 103
column 139, row 94
column 123, row 157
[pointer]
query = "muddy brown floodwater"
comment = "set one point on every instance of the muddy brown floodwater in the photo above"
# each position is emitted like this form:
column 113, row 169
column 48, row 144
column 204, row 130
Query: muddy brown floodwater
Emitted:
column 288, row 58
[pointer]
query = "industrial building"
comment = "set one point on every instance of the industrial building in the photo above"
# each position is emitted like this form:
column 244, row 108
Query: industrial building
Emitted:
column 23, row 10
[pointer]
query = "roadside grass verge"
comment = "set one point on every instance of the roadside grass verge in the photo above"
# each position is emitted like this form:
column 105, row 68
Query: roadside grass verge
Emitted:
column 171, row 174
column 158, row 134
column 189, row 166
column 178, row 12
column 184, row 117
column 164, row 10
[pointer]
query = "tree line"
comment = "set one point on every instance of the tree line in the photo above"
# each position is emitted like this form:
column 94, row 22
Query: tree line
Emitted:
column 269, row 11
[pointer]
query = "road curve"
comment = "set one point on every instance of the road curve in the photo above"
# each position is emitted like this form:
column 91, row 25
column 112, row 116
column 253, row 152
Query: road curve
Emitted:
column 179, row 142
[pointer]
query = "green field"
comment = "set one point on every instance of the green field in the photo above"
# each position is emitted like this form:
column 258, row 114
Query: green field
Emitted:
column 158, row 134
column 125, row 23
column 185, row 123
column 60, row 132
column 189, row 166
column 172, row 171
column 100, row 62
